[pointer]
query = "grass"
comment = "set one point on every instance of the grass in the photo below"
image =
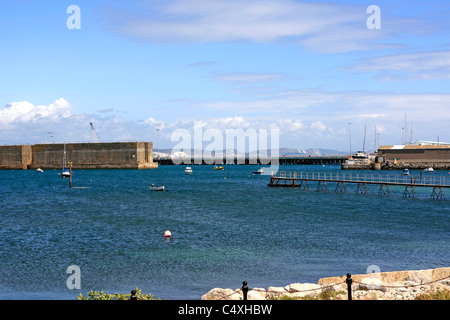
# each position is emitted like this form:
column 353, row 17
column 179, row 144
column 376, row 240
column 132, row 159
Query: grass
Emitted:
column 439, row 294
column 101, row 295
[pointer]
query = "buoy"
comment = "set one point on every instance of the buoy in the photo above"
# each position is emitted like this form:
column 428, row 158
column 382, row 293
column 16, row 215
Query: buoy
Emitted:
column 167, row 234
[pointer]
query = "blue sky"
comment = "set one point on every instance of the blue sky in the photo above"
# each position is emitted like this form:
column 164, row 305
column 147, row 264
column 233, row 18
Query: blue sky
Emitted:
column 306, row 68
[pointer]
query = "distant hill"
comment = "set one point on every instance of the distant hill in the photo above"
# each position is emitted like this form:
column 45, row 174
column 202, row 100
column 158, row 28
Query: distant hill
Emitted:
column 287, row 152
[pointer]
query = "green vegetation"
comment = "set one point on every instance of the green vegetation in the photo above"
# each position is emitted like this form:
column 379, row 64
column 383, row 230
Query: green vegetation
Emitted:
column 100, row 295
column 439, row 294
column 326, row 295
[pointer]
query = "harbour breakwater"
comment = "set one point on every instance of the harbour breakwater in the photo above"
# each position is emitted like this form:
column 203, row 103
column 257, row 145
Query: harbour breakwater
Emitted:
column 395, row 285
column 100, row 155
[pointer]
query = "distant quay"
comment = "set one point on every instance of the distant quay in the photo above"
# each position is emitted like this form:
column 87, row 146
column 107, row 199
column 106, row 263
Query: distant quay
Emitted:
column 397, row 166
column 99, row 155
column 246, row 160
column 417, row 156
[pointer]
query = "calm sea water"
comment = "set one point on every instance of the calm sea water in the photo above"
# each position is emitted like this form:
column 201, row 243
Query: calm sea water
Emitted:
column 227, row 227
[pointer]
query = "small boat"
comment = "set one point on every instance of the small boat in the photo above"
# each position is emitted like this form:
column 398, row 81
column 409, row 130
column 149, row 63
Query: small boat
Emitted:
column 428, row 170
column 360, row 155
column 157, row 188
column 39, row 170
column 65, row 173
column 260, row 171
column 188, row 170
column 405, row 172
column 218, row 168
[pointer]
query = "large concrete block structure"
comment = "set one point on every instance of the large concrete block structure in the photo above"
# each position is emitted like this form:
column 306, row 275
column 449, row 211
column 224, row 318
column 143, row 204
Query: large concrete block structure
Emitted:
column 416, row 153
column 416, row 156
column 113, row 155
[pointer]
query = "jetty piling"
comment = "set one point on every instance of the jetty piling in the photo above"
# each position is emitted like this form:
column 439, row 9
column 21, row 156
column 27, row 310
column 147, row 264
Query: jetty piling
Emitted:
column 385, row 181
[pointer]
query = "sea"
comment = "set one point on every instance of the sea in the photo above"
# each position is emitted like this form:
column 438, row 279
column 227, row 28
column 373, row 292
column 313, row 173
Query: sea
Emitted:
column 227, row 227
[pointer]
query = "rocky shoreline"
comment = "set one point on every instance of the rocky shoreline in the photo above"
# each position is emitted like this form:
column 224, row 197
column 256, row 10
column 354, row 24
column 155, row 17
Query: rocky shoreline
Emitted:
column 395, row 285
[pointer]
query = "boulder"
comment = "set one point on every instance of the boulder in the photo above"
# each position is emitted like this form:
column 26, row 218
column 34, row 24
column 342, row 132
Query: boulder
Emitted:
column 299, row 290
column 218, row 294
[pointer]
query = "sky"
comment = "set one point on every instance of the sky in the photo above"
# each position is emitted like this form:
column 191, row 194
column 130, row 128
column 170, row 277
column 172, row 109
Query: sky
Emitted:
column 322, row 73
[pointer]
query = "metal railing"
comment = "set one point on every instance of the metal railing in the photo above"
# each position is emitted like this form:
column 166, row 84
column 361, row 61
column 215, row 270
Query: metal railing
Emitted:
column 428, row 180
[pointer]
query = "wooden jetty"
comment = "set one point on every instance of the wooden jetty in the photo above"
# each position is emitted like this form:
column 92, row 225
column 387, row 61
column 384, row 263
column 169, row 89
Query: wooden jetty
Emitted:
column 302, row 180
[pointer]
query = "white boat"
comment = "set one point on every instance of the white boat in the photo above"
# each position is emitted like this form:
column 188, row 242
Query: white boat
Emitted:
column 39, row 170
column 428, row 170
column 157, row 188
column 188, row 170
column 360, row 155
column 260, row 171
column 66, row 172
column 218, row 168
column 405, row 172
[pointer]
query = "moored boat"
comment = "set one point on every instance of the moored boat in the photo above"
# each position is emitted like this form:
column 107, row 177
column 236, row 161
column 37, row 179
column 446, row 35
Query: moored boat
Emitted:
column 259, row 171
column 157, row 188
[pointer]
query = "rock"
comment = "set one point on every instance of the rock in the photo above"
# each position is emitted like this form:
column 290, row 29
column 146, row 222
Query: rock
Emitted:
column 371, row 284
column 276, row 292
column 420, row 276
column 299, row 290
column 218, row 294
column 396, row 285
column 257, row 294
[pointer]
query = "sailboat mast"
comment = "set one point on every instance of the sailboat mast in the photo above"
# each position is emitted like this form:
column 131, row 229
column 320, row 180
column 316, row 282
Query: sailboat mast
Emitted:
column 64, row 157
column 364, row 143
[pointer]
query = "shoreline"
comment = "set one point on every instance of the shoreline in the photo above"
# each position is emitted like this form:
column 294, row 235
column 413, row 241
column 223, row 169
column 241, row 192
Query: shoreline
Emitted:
column 394, row 285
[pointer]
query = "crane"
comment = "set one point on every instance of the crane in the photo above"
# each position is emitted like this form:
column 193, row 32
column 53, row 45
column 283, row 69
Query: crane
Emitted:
column 94, row 133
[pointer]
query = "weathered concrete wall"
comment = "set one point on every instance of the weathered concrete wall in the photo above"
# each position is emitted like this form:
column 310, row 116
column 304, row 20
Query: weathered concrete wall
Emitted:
column 116, row 155
column 412, row 153
column 11, row 157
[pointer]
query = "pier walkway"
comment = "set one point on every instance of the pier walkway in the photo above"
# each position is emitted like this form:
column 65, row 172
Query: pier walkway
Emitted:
column 302, row 180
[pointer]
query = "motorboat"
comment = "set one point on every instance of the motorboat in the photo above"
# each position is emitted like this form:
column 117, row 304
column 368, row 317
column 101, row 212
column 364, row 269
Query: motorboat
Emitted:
column 405, row 172
column 428, row 170
column 188, row 170
column 157, row 188
column 360, row 155
column 259, row 171
column 39, row 170
column 218, row 168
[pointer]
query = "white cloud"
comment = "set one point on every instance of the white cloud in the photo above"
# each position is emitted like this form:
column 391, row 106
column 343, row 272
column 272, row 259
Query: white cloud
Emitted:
column 426, row 65
column 318, row 127
column 320, row 26
column 242, row 77
column 287, row 125
column 24, row 111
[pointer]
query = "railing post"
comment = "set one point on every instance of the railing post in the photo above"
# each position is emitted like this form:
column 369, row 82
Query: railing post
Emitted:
column 133, row 295
column 244, row 290
column 349, row 285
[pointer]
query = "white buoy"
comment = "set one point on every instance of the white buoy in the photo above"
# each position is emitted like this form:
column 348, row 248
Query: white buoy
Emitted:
column 167, row 234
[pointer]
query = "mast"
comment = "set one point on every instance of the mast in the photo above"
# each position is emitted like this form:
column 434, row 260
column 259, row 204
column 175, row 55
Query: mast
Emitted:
column 406, row 131
column 64, row 157
column 364, row 143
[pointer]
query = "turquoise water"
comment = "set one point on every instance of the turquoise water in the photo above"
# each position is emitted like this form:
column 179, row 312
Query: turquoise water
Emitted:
column 224, row 231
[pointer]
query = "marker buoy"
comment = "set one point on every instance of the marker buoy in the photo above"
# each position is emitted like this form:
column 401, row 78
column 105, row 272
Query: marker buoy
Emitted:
column 167, row 234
